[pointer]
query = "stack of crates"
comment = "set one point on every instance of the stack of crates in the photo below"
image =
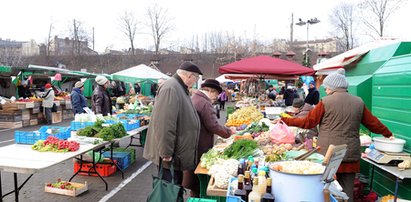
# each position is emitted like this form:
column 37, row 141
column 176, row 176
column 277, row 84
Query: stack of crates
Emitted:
column 123, row 158
column 31, row 137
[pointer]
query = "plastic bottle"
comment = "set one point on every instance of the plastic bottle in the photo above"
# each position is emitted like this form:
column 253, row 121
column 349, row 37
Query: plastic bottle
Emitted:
column 262, row 182
column 255, row 195
column 254, row 173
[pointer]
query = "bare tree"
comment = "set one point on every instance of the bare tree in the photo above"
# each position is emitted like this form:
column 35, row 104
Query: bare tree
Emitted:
column 160, row 24
column 377, row 12
column 128, row 25
column 80, row 37
column 342, row 18
column 10, row 55
column 49, row 40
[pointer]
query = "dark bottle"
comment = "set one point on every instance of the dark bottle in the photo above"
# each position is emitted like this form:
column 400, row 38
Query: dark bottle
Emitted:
column 247, row 182
column 240, row 191
column 268, row 196
column 240, row 170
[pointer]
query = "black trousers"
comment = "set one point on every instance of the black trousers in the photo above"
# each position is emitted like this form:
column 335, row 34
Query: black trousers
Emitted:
column 222, row 104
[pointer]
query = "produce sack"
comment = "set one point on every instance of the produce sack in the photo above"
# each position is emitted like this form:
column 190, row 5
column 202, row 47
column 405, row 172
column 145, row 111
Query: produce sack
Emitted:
column 164, row 190
column 281, row 134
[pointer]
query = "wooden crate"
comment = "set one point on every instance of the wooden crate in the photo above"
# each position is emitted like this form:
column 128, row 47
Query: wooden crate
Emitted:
column 29, row 105
column 26, row 123
column 68, row 114
column 35, row 110
column 56, row 117
column 10, row 116
column 25, row 115
column 214, row 191
column 68, row 105
column 80, row 188
column 11, row 125
column 22, row 105
column 34, row 122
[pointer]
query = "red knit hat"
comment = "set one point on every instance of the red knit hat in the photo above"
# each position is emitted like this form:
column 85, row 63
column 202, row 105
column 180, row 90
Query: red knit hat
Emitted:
column 48, row 85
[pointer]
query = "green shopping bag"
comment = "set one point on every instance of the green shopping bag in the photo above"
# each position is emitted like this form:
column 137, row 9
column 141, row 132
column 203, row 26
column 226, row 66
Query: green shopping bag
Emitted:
column 164, row 190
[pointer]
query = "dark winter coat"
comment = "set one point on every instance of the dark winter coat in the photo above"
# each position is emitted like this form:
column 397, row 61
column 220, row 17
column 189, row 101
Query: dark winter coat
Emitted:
column 174, row 127
column 313, row 96
column 209, row 123
column 289, row 96
column 78, row 101
column 101, row 101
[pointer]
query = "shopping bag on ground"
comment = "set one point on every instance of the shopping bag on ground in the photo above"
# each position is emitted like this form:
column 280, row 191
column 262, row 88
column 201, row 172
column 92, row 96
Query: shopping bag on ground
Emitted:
column 164, row 190
column 281, row 134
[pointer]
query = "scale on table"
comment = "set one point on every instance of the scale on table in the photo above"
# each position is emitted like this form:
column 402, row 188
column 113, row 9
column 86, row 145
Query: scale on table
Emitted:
column 388, row 158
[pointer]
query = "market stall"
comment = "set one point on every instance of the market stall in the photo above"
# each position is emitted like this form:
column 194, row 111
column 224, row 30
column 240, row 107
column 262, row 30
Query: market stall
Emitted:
column 254, row 148
column 142, row 74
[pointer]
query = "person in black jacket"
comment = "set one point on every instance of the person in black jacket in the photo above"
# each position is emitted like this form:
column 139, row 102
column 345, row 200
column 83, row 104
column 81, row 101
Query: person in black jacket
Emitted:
column 289, row 96
column 313, row 96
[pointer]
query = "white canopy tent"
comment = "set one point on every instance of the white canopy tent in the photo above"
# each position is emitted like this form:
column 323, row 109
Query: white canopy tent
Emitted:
column 223, row 79
column 139, row 73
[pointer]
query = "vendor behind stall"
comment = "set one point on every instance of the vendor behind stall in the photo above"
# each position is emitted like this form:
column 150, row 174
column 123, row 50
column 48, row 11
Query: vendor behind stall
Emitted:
column 24, row 89
column 48, row 102
column 339, row 116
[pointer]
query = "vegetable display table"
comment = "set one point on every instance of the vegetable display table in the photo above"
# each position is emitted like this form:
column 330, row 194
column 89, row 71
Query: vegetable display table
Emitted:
column 393, row 170
column 17, row 158
column 204, row 179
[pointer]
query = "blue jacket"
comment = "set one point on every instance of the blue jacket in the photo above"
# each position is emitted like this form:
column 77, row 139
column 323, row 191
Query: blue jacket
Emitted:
column 78, row 101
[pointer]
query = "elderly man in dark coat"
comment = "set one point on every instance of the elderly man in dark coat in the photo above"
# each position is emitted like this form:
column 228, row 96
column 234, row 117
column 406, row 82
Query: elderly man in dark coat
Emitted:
column 202, row 101
column 175, row 126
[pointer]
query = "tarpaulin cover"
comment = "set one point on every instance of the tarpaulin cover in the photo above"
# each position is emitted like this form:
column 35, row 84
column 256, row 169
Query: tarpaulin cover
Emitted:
column 265, row 65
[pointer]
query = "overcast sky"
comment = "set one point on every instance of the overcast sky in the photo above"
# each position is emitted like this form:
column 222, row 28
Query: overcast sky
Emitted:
column 22, row 20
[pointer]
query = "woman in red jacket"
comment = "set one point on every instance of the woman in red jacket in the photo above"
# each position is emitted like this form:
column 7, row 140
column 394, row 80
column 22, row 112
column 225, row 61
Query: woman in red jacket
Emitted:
column 339, row 116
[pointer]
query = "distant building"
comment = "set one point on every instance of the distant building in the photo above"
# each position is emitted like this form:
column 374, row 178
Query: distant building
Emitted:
column 66, row 46
column 323, row 45
column 21, row 48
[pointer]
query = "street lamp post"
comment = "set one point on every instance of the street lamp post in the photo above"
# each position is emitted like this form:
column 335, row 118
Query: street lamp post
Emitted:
column 308, row 23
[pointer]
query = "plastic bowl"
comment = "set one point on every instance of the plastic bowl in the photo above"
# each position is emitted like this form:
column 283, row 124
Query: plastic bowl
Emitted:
column 387, row 145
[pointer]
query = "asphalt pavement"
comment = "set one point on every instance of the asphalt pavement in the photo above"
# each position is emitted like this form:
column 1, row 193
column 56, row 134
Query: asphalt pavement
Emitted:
column 135, row 186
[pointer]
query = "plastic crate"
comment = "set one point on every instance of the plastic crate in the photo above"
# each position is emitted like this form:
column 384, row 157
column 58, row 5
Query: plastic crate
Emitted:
column 131, row 126
column 204, row 179
column 31, row 137
column 200, row 200
column 231, row 198
column 123, row 158
column 104, row 169
column 58, row 131
column 28, row 137
column 129, row 150
column 80, row 125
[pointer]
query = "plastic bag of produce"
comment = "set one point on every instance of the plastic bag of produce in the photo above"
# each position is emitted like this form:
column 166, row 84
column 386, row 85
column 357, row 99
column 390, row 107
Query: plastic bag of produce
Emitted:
column 282, row 134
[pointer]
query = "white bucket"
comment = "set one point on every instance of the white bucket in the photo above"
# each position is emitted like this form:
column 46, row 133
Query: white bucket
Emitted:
column 288, row 187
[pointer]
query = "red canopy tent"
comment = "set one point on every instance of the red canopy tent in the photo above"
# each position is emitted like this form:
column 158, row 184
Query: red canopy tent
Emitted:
column 265, row 65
